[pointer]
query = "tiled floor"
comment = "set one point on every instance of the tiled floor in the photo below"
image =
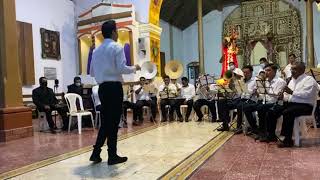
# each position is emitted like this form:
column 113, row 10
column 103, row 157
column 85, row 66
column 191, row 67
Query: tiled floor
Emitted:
column 243, row 158
column 18, row 153
column 151, row 154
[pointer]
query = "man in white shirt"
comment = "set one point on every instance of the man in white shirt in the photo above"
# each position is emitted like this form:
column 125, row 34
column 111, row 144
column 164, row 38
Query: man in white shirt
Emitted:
column 143, row 99
column 128, row 103
column 287, row 69
column 107, row 66
column 204, row 97
column 273, row 86
column 301, row 94
column 167, row 93
column 227, row 104
column 187, row 93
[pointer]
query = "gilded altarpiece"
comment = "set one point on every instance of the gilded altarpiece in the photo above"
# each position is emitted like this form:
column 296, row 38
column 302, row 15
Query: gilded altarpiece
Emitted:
column 274, row 23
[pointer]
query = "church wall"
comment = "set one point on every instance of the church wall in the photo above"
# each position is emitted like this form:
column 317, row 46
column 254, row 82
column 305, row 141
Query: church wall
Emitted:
column 57, row 15
column 177, row 42
column 212, row 25
column 186, row 47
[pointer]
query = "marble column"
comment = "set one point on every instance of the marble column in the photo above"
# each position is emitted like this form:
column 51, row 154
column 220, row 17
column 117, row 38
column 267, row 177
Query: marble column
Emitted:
column 15, row 119
column 200, row 38
column 310, row 41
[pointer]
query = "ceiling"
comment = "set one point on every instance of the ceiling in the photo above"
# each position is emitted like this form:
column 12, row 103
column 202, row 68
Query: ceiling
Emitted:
column 183, row 13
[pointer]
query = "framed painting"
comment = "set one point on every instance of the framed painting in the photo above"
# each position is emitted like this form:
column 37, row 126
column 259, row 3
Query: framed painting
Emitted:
column 50, row 44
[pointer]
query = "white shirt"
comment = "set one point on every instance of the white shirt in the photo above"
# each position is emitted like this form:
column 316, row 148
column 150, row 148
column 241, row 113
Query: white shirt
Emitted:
column 95, row 95
column 109, row 63
column 141, row 95
column 287, row 70
column 251, row 87
column 274, row 88
column 305, row 90
column 172, row 89
column 188, row 92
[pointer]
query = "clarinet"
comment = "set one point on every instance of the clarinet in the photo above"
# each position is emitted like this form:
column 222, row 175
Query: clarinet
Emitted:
column 281, row 92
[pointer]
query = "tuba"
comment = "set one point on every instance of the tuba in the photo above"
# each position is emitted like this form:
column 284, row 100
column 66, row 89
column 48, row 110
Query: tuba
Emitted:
column 148, row 70
column 174, row 69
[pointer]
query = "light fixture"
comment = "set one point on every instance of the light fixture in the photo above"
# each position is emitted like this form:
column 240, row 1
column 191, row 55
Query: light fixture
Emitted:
column 318, row 5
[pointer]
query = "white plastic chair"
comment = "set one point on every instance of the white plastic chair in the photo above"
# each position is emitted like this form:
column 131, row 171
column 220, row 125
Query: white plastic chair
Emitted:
column 300, row 125
column 43, row 124
column 98, row 116
column 71, row 99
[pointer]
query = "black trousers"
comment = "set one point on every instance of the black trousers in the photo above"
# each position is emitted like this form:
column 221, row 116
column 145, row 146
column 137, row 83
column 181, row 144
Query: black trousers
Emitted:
column 62, row 111
column 224, row 106
column 129, row 105
column 172, row 104
column 201, row 102
column 291, row 111
column 189, row 103
column 150, row 103
column 240, row 106
column 262, row 110
column 111, row 97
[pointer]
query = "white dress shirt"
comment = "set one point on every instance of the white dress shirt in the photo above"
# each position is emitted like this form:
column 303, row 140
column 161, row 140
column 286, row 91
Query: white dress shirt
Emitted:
column 305, row 90
column 251, row 86
column 109, row 63
column 95, row 95
column 287, row 70
column 188, row 92
column 172, row 89
column 141, row 95
column 274, row 87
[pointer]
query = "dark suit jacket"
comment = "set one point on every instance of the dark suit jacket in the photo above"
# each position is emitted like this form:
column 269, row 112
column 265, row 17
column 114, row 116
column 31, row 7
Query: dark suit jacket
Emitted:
column 75, row 89
column 43, row 96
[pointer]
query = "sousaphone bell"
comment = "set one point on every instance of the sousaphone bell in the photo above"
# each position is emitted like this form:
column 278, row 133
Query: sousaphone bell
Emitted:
column 174, row 69
column 148, row 70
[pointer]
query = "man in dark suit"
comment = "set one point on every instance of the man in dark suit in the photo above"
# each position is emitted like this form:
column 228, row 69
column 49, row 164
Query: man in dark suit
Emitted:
column 46, row 101
column 76, row 87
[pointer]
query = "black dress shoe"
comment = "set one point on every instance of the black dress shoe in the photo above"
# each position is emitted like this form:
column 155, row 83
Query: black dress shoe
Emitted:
column 238, row 131
column 286, row 144
column 117, row 160
column 199, row 120
column 52, row 131
column 95, row 156
column 223, row 129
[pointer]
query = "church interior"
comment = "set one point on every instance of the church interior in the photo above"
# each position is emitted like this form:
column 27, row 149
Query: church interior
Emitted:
column 221, row 89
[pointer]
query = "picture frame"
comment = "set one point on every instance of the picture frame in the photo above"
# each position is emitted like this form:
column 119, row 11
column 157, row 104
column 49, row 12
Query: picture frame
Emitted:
column 50, row 44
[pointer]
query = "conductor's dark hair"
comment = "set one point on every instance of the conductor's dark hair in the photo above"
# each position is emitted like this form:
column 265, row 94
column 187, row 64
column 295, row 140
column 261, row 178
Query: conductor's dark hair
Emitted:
column 107, row 28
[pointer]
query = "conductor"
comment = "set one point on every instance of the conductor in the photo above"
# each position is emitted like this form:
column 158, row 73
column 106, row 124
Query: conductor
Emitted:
column 107, row 66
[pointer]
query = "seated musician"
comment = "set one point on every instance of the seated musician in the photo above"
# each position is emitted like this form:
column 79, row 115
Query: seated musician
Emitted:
column 187, row 93
column 128, row 104
column 46, row 101
column 167, row 92
column 143, row 99
column 76, row 87
column 153, row 91
column 300, row 96
column 272, row 87
column 231, row 100
column 204, row 97
column 248, row 96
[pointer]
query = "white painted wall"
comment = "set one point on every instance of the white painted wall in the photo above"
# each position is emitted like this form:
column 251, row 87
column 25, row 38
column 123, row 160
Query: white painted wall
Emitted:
column 186, row 47
column 56, row 15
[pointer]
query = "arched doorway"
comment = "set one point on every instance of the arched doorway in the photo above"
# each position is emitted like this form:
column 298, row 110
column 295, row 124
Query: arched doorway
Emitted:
column 271, row 24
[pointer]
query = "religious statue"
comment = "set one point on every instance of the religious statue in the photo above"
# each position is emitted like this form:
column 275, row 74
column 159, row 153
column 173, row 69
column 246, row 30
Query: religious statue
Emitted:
column 229, row 52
